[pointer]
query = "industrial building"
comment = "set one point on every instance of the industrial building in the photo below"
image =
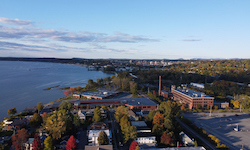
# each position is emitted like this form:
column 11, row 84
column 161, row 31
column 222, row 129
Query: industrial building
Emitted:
column 191, row 98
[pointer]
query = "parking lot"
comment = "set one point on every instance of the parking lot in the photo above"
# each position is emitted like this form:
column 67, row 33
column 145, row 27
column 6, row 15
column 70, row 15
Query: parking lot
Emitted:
column 224, row 127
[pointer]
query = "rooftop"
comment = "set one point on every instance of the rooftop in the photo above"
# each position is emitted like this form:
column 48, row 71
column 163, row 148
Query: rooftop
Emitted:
column 192, row 93
column 98, row 126
column 138, row 101
column 100, row 93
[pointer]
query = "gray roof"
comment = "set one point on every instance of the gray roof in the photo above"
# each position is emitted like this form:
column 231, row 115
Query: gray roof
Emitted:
column 100, row 93
column 192, row 93
column 138, row 101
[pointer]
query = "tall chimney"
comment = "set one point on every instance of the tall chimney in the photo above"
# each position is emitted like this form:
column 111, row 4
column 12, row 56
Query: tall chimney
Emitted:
column 159, row 86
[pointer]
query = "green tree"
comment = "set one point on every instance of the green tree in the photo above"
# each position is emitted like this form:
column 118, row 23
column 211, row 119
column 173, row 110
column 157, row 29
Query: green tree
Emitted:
column 56, row 124
column 97, row 115
column 36, row 120
column 76, row 121
column 12, row 111
column 168, row 124
column 39, row 107
column 66, row 105
column 157, row 129
column 103, row 138
column 48, row 143
column 195, row 144
column 198, row 107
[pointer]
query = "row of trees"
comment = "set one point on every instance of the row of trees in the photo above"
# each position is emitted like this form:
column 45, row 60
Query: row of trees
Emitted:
column 129, row 132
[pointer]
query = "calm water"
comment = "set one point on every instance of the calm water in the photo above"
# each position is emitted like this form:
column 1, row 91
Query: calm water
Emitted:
column 22, row 83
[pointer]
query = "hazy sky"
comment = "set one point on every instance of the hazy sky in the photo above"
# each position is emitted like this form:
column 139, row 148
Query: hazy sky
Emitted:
column 136, row 29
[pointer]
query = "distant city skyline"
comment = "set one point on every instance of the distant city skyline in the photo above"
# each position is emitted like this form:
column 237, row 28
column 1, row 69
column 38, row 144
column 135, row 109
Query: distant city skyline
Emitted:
column 161, row 29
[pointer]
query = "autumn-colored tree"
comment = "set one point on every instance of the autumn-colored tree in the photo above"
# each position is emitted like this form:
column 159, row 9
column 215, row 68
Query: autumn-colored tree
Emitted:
column 103, row 138
column 158, row 119
column 56, row 123
column 183, row 107
column 12, row 111
column 168, row 124
column 19, row 138
column 36, row 120
column 166, row 139
column 133, row 145
column 44, row 114
column 120, row 112
column 235, row 103
column 36, row 144
column 39, row 106
column 48, row 143
column 71, row 144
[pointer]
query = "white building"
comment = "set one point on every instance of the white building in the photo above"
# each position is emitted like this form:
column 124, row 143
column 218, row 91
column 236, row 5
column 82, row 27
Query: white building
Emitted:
column 94, row 131
column 197, row 85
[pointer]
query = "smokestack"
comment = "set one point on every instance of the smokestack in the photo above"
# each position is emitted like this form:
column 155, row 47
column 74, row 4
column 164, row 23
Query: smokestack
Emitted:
column 159, row 86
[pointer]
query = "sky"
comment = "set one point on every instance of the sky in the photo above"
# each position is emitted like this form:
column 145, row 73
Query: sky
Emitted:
column 131, row 29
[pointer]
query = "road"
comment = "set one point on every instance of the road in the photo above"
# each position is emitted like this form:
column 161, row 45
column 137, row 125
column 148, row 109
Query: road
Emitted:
column 114, row 129
column 83, row 139
column 211, row 146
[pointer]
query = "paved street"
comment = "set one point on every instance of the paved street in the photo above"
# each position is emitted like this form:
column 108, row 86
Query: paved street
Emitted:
column 82, row 137
column 222, row 126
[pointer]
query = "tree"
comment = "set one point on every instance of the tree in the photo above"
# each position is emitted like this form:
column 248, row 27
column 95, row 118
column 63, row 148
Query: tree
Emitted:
column 198, row 107
column 36, row 120
column 12, row 111
column 76, row 121
column 36, row 144
column 39, row 106
column 133, row 145
column 19, row 139
column 97, row 115
column 48, row 143
column 195, row 144
column 56, row 124
column 133, row 88
column 103, row 138
column 66, row 105
column 158, row 119
column 235, row 103
column 71, row 144
column 157, row 129
column 166, row 139
column 168, row 124
column 120, row 112
column 183, row 107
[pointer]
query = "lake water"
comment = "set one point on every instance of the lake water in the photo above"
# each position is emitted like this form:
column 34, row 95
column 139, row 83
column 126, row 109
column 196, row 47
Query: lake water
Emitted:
column 22, row 84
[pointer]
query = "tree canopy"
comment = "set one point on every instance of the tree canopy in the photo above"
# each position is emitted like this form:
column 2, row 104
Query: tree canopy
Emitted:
column 103, row 138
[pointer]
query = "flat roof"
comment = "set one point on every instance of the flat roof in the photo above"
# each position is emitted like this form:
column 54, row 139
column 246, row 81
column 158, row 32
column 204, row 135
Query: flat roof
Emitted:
column 138, row 101
column 192, row 93
column 139, row 123
column 178, row 148
column 100, row 93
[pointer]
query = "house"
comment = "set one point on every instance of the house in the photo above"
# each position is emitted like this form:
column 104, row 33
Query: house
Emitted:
column 133, row 116
column 28, row 144
column 82, row 114
column 145, row 137
column 18, row 124
column 187, row 141
column 94, row 131
column 30, row 110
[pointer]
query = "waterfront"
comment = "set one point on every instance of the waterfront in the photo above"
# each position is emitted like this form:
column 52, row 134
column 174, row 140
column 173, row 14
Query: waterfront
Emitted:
column 22, row 84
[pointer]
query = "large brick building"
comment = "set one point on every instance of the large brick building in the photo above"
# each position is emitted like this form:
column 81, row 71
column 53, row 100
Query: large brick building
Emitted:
column 191, row 98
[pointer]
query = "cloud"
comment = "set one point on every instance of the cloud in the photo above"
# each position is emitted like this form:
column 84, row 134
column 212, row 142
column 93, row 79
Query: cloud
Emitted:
column 38, row 48
column 16, row 21
column 191, row 40
column 70, row 37
column 102, row 47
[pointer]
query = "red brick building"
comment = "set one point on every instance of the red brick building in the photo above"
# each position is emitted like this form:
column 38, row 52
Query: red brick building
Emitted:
column 191, row 98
